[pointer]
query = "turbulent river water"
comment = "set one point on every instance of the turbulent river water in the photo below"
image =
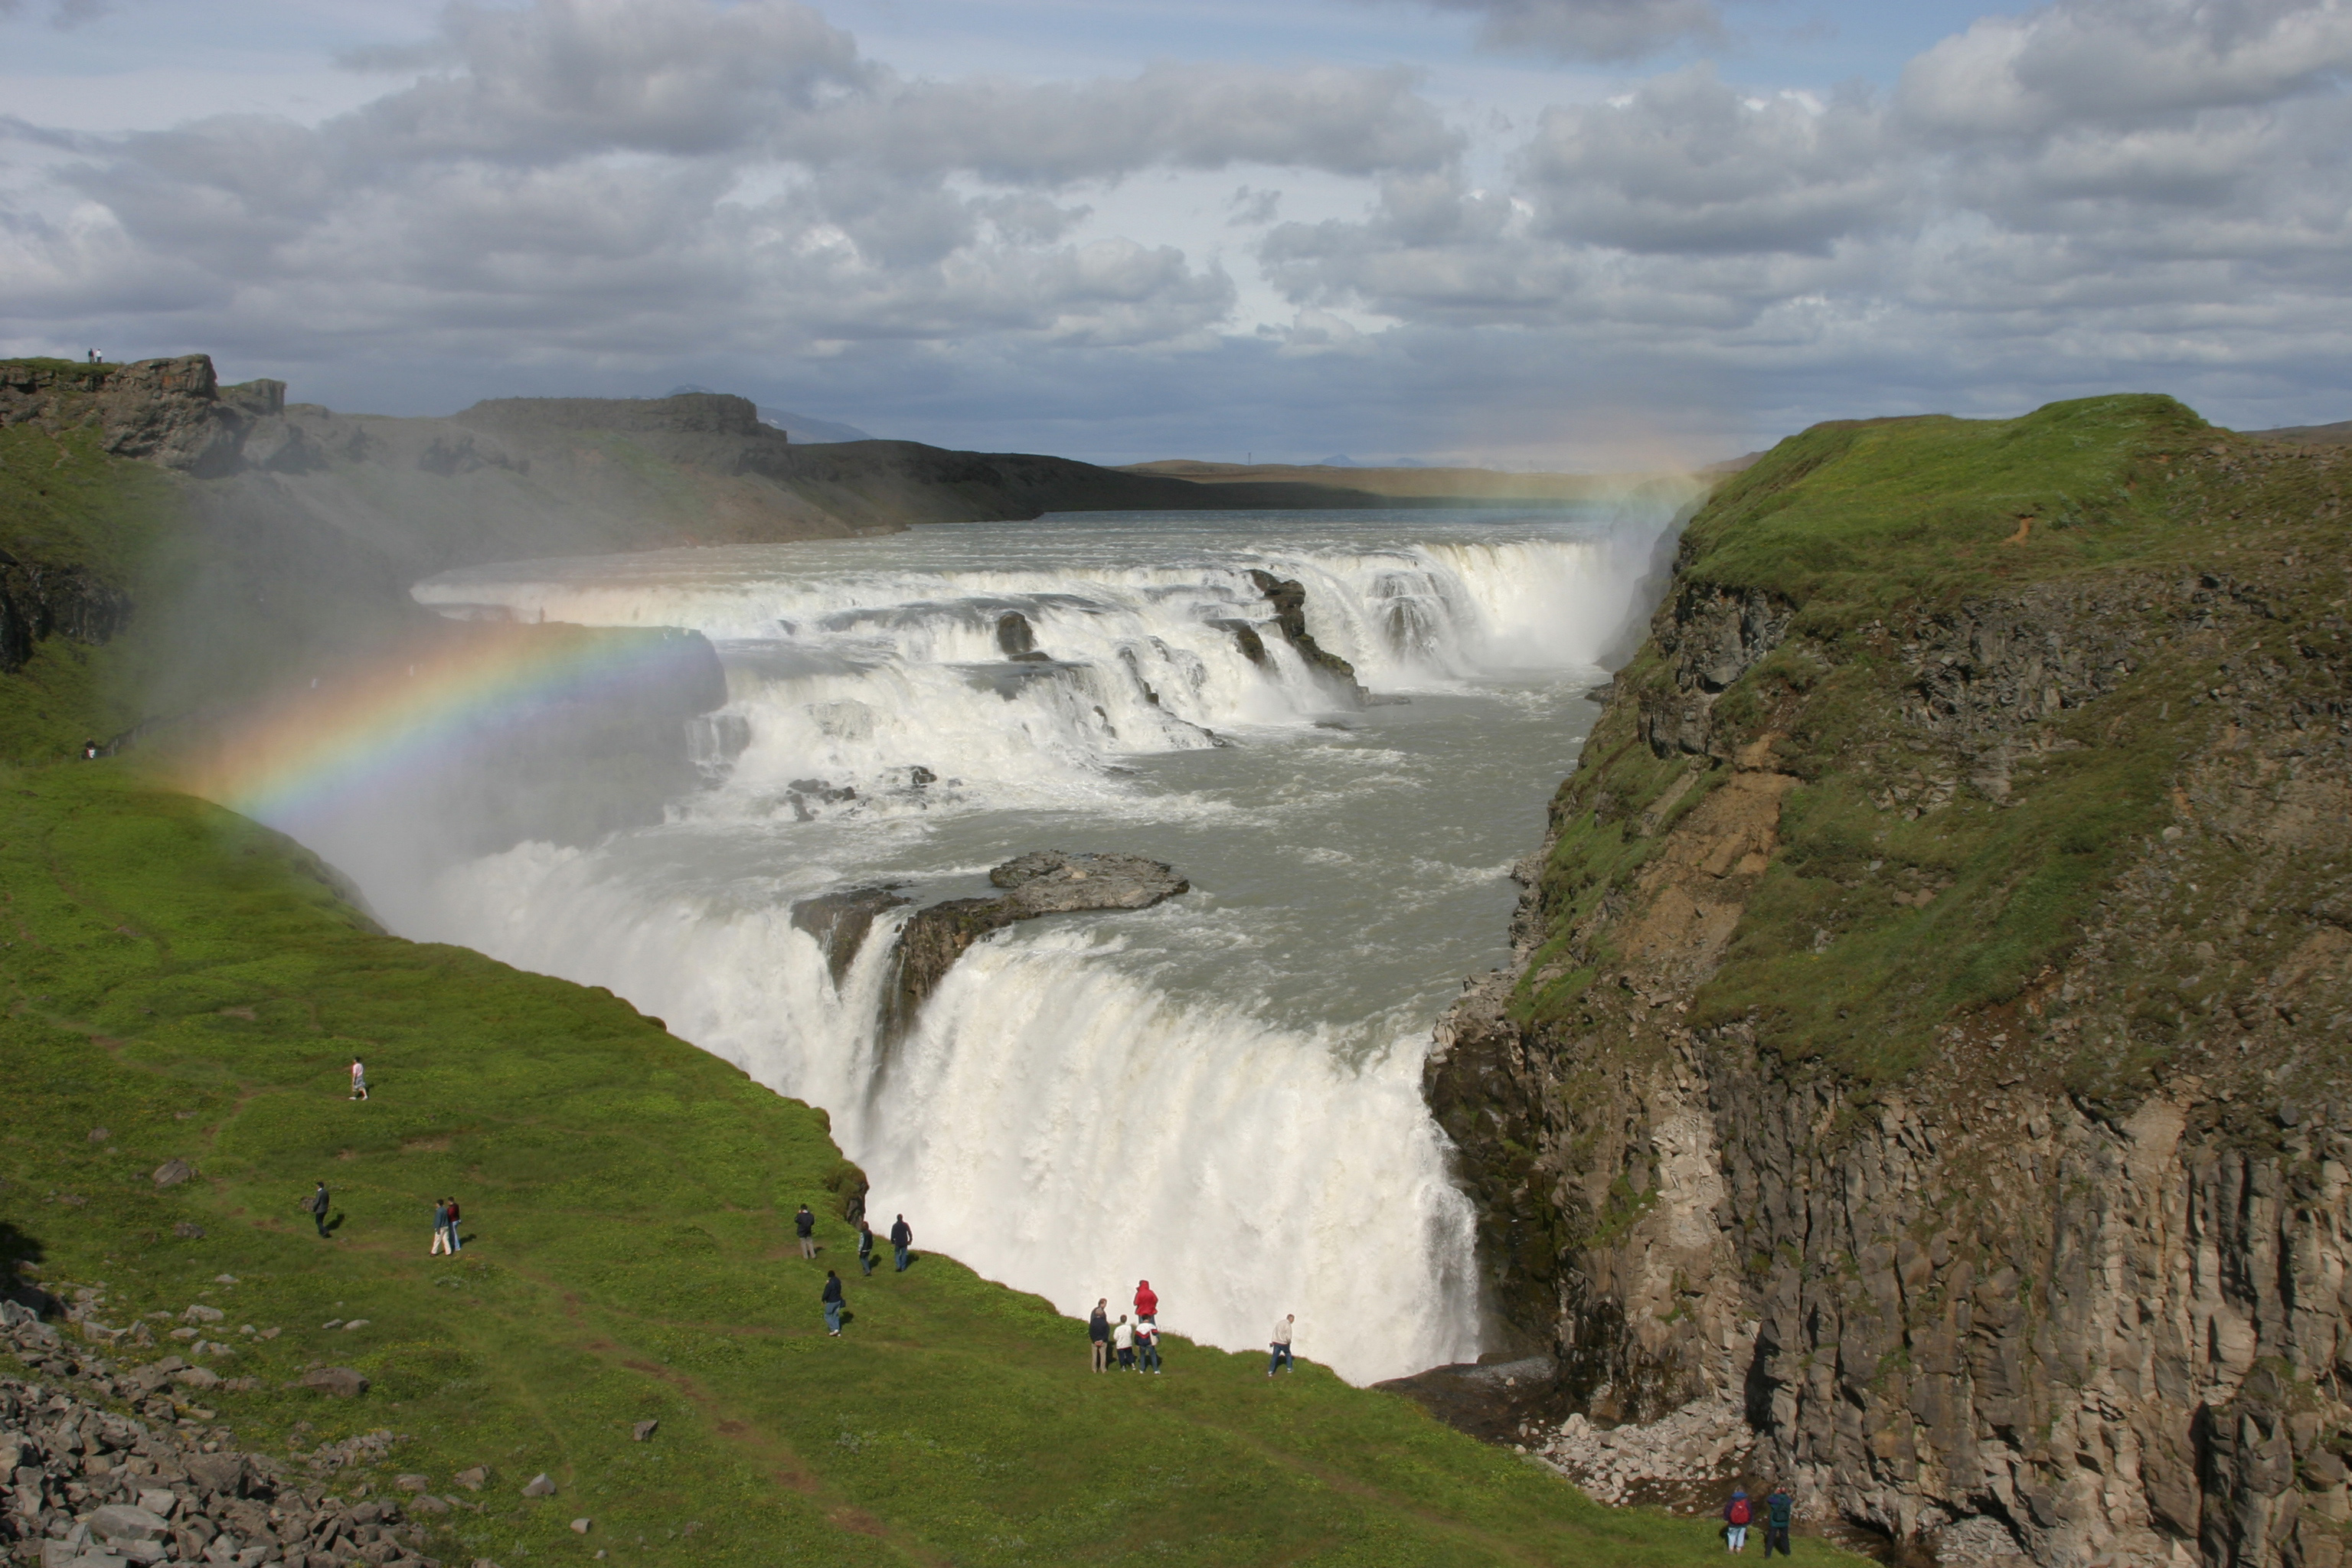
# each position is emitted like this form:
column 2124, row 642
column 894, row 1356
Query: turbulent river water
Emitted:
column 1220, row 1094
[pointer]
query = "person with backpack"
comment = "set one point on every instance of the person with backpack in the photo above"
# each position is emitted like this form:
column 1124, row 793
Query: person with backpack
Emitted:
column 1099, row 1332
column 1147, row 1347
column 865, row 1246
column 1779, row 1510
column 805, row 1223
column 902, row 1237
column 317, row 1204
column 831, row 1300
column 1735, row 1515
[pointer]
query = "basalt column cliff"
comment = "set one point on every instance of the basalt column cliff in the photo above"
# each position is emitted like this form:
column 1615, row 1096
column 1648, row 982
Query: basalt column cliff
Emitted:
column 1930, row 1030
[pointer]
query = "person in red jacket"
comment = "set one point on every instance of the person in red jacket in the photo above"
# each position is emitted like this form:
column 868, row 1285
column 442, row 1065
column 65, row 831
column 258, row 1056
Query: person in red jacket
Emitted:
column 1147, row 1303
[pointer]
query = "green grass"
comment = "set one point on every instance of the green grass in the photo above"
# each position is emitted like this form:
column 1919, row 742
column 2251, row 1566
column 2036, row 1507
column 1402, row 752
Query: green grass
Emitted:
column 193, row 982
column 1864, row 528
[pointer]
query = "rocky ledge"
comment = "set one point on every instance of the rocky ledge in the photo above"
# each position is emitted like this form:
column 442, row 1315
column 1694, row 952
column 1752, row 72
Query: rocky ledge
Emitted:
column 1043, row 882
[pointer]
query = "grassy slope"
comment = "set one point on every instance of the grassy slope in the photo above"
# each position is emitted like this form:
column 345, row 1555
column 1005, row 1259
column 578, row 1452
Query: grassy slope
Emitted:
column 1865, row 527
column 630, row 1197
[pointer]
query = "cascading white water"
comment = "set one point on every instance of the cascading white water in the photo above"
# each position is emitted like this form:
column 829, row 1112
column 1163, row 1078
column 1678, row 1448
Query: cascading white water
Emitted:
column 1220, row 1094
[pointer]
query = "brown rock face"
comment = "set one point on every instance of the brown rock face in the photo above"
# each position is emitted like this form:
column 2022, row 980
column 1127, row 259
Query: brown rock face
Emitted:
column 2061, row 1273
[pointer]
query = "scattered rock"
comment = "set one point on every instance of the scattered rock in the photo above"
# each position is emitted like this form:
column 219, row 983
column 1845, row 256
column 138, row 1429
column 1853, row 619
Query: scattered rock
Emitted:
column 172, row 1173
column 580, row 1526
column 412, row 1483
column 644, row 1429
column 338, row 1381
column 539, row 1486
column 201, row 1314
column 188, row 1230
column 197, row 1377
column 355, row 1323
column 475, row 1479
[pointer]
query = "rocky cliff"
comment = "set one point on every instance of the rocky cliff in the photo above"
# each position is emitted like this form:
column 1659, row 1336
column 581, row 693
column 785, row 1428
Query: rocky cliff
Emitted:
column 1928, row 1037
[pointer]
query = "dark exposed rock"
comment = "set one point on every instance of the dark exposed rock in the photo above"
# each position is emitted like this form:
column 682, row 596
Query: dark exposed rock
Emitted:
column 840, row 921
column 39, row 601
column 1043, row 882
column 1017, row 640
column 1288, row 598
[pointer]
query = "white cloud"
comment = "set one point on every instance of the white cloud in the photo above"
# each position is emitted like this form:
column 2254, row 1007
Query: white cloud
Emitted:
column 1591, row 29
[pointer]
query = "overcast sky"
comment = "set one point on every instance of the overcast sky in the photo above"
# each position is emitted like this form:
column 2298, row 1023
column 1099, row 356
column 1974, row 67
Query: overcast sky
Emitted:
column 1584, row 232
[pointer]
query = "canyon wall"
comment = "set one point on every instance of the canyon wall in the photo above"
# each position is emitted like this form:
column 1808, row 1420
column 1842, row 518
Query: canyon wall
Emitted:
column 1928, row 1031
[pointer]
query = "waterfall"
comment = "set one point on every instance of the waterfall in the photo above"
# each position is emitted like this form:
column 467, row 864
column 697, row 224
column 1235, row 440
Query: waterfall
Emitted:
column 1220, row 1094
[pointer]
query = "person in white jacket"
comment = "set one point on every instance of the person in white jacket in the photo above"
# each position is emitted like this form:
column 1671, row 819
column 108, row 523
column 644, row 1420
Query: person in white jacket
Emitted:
column 1123, row 1339
column 1281, row 1346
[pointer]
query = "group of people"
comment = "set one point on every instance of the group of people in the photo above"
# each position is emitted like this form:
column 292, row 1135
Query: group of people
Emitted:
column 444, row 1228
column 1740, row 1513
column 902, row 1248
column 1135, row 1343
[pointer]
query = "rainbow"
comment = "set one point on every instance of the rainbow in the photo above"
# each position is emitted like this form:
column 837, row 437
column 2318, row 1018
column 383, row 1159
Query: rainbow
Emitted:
column 394, row 721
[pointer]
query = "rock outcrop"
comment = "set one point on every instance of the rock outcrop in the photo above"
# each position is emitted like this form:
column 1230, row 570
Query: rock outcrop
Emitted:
column 1288, row 598
column 1930, row 1028
column 39, row 601
column 1043, row 882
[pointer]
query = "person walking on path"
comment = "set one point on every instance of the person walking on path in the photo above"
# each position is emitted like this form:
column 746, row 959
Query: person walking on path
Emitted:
column 1147, row 1302
column 1778, row 1509
column 317, row 1204
column 1281, row 1345
column 805, row 1222
column 902, row 1237
column 440, row 1227
column 359, row 1079
column 1099, row 1332
column 1735, row 1515
column 1123, row 1337
column 865, row 1246
column 831, row 1300
column 457, row 1240
column 1147, row 1347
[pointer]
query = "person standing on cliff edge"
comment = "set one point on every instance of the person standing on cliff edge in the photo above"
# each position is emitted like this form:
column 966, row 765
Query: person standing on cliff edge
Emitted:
column 902, row 1237
column 1735, row 1515
column 1099, row 1332
column 831, row 1300
column 1281, row 1345
column 805, row 1223
column 1147, row 1301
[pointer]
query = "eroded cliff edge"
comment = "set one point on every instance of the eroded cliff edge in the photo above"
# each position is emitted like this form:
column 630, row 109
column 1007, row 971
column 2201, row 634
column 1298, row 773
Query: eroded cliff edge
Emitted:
column 1929, row 1023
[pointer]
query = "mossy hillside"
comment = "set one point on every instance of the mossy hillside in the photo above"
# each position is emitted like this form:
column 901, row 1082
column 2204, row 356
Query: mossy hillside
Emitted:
column 192, row 983
column 1904, row 896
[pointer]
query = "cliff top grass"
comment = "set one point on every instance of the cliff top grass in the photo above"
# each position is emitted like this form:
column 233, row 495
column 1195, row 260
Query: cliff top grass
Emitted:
column 1930, row 872
column 1853, row 515
column 193, row 984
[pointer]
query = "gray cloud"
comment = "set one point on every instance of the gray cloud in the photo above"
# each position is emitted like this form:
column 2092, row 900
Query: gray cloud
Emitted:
column 1606, row 30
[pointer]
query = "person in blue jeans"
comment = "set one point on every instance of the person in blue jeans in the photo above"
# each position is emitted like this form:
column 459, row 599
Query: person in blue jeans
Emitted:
column 865, row 1245
column 902, row 1237
column 1779, row 1510
column 832, row 1304
column 1281, row 1346
column 1147, row 1346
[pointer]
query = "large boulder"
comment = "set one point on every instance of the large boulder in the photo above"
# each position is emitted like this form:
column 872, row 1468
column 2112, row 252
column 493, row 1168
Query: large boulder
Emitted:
column 338, row 1381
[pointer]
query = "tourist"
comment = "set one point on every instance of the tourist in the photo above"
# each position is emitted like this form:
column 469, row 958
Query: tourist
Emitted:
column 359, row 1079
column 457, row 1240
column 1281, row 1356
column 1147, row 1346
column 902, row 1237
column 1778, row 1509
column 865, row 1246
column 317, row 1204
column 1735, row 1515
column 1099, row 1332
column 440, row 1227
column 89, row 750
column 1123, row 1338
column 1147, row 1302
column 832, row 1304
column 805, row 1223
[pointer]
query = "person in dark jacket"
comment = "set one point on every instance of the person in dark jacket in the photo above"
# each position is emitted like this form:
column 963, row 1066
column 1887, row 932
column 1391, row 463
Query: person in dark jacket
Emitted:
column 1098, row 1331
column 317, row 1203
column 456, row 1223
column 831, row 1300
column 805, row 1223
column 865, row 1245
column 902, row 1237
column 1779, row 1510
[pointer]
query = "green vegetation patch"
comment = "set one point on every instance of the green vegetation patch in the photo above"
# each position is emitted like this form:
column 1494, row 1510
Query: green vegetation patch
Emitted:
column 193, row 984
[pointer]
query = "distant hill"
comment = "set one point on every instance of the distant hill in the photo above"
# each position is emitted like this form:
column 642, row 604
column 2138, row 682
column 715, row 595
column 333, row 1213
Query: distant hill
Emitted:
column 1418, row 483
column 810, row 431
column 2337, row 435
